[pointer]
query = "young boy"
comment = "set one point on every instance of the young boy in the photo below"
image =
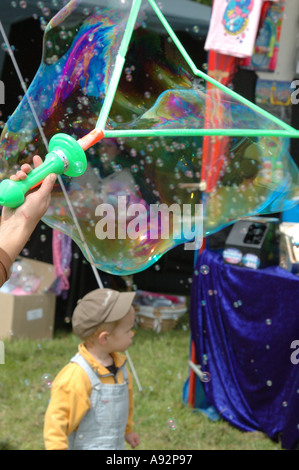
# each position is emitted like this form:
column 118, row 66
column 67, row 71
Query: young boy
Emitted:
column 91, row 406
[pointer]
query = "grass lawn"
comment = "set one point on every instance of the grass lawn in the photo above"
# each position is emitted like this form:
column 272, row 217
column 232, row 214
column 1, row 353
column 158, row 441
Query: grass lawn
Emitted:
column 161, row 419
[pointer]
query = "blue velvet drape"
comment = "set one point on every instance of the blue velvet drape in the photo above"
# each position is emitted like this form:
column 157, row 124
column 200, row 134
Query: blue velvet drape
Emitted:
column 243, row 322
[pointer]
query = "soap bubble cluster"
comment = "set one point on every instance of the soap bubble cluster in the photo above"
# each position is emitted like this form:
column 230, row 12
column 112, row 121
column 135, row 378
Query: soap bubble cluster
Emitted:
column 158, row 91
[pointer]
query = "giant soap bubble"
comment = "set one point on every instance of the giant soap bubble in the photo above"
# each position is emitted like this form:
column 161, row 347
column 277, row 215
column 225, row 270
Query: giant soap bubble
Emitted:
column 133, row 174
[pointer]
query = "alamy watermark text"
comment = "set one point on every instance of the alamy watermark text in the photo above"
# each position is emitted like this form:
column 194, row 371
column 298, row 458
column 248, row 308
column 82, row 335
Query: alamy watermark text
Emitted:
column 295, row 93
column 155, row 221
column 295, row 353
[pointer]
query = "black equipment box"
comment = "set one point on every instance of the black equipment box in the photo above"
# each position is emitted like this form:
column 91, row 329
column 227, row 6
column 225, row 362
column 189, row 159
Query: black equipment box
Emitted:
column 253, row 243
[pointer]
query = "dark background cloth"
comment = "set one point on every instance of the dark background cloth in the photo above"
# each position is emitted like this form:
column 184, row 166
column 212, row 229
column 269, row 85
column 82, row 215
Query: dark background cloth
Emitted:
column 243, row 322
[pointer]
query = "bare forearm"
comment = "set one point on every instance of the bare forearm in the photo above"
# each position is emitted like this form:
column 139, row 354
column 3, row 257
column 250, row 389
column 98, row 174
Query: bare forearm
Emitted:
column 18, row 224
column 5, row 264
column 14, row 235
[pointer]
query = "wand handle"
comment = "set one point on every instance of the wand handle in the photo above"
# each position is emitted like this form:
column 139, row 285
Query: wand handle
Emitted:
column 66, row 156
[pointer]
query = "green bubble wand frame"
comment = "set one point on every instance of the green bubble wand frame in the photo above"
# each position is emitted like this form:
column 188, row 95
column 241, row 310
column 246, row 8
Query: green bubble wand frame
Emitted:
column 8, row 190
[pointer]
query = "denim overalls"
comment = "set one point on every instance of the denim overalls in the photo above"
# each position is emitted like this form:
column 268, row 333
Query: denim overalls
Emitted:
column 103, row 426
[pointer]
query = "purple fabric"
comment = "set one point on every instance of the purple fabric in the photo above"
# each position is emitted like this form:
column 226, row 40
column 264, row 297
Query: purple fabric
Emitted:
column 243, row 322
column 62, row 255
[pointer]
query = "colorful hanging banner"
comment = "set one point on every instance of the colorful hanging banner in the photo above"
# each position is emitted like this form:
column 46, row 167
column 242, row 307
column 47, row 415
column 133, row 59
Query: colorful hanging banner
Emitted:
column 275, row 97
column 234, row 26
column 266, row 46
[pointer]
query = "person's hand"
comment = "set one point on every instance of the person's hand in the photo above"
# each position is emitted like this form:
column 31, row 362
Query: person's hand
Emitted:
column 36, row 202
column 132, row 438
column 18, row 224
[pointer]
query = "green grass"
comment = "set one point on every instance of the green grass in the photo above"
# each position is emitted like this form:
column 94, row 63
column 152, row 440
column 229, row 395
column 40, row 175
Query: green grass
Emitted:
column 161, row 362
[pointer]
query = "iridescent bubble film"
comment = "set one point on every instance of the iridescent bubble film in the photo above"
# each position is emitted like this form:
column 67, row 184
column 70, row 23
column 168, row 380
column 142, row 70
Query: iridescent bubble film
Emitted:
column 117, row 202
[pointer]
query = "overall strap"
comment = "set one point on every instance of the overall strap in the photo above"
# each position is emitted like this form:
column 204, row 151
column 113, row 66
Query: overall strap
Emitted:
column 93, row 377
column 125, row 372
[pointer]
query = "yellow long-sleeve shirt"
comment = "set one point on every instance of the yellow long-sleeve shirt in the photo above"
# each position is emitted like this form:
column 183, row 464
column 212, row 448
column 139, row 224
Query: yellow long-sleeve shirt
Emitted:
column 70, row 401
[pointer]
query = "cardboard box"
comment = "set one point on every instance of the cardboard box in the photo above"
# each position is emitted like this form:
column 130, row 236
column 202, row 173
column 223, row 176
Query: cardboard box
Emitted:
column 30, row 316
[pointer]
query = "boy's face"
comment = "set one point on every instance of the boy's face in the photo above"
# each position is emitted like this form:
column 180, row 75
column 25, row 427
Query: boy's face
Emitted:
column 121, row 337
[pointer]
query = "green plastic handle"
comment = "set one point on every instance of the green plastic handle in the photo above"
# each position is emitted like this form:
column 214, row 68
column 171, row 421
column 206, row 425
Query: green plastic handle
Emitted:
column 65, row 157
